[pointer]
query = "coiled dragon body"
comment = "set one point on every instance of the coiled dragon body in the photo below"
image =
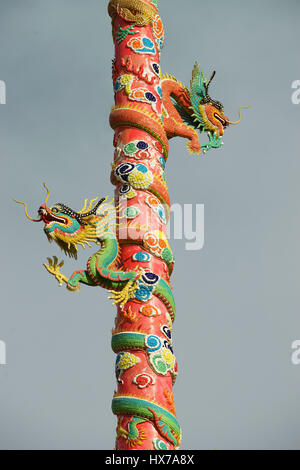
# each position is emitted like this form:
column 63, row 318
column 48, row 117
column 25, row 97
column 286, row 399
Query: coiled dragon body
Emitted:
column 95, row 225
column 150, row 109
column 184, row 111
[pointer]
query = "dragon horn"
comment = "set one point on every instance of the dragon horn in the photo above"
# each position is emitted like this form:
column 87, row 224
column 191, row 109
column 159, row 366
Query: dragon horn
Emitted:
column 26, row 213
column 234, row 123
column 210, row 80
column 93, row 211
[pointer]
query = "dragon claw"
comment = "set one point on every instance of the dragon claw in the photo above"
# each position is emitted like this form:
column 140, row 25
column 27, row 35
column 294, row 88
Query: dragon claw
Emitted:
column 215, row 142
column 54, row 268
column 128, row 292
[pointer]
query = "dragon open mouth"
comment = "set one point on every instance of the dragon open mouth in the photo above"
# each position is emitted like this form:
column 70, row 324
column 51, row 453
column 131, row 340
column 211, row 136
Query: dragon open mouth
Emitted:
column 47, row 217
column 221, row 119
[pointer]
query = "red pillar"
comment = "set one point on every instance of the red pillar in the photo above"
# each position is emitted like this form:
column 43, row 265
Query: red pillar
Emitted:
column 145, row 372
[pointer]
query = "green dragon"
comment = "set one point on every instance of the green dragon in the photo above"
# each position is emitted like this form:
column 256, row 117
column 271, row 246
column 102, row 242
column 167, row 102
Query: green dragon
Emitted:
column 166, row 423
column 95, row 224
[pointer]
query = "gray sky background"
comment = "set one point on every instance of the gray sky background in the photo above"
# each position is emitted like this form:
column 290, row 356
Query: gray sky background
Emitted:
column 237, row 298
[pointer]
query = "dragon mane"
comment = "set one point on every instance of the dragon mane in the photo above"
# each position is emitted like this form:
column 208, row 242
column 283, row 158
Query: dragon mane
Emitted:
column 198, row 94
column 94, row 221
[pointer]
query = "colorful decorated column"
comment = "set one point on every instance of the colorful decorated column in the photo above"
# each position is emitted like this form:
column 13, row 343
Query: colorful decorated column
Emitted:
column 133, row 259
column 146, row 367
column 149, row 110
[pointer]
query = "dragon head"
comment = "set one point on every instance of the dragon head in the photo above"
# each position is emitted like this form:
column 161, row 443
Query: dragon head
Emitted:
column 208, row 113
column 69, row 228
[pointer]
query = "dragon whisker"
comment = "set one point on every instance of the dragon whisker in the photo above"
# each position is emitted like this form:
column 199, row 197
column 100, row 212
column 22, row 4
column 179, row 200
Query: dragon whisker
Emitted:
column 26, row 213
column 237, row 122
column 48, row 194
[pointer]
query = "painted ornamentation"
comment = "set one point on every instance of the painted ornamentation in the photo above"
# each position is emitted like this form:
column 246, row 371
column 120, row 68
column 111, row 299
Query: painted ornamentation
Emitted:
column 142, row 45
column 149, row 110
column 144, row 380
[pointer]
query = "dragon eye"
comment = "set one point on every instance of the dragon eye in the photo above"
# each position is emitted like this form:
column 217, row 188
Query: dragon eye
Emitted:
column 55, row 210
column 218, row 105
